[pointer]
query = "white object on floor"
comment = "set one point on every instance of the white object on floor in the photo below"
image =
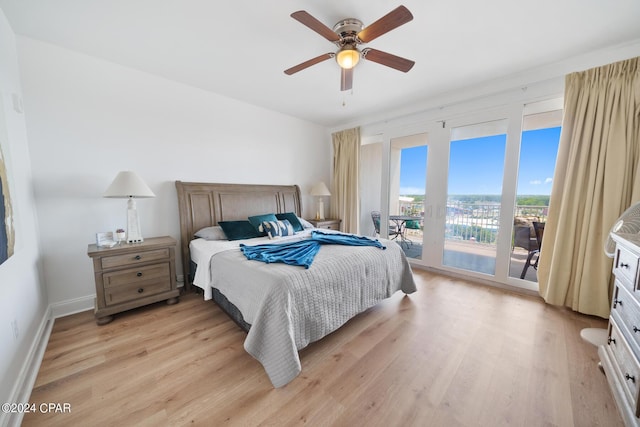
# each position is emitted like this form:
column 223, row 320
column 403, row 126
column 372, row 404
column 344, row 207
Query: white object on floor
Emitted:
column 595, row 336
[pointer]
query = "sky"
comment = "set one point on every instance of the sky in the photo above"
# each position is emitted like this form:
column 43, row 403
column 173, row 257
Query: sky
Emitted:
column 476, row 165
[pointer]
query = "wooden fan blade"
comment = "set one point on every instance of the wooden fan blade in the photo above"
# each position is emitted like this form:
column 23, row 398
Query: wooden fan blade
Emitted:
column 384, row 58
column 346, row 79
column 309, row 63
column 391, row 20
column 306, row 19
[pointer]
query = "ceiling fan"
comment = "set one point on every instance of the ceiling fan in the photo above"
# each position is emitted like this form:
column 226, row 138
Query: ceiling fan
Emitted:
column 347, row 35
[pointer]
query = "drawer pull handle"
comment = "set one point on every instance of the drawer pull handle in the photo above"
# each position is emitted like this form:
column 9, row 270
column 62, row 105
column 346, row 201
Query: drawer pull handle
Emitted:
column 623, row 265
column 138, row 257
column 139, row 274
column 630, row 377
column 616, row 302
column 140, row 290
column 635, row 329
column 611, row 340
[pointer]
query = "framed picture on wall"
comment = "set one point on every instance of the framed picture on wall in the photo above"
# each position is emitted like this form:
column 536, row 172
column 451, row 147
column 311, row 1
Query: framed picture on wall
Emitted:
column 7, row 232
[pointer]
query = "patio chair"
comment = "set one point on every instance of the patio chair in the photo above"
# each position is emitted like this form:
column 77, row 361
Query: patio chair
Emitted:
column 538, row 227
column 413, row 225
column 394, row 233
column 523, row 239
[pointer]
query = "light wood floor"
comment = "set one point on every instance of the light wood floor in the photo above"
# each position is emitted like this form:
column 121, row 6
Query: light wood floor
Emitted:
column 452, row 354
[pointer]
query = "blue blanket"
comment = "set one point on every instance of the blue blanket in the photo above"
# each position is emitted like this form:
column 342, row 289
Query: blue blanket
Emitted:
column 304, row 251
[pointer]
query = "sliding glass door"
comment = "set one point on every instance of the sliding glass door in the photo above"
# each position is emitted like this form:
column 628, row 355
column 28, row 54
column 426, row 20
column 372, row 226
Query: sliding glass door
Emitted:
column 536, row 166
column 453, row 193
column 474, row 197
column 407, row 192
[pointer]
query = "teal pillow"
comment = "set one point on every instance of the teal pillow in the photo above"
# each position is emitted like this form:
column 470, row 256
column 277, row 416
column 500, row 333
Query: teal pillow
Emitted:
column 257, row 221
column 236, row 230
column 293, row 220
column 277, row 229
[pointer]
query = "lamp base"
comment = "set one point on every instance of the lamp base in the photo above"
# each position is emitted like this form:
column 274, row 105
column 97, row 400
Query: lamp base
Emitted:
column 133, row 223
column 320, row 209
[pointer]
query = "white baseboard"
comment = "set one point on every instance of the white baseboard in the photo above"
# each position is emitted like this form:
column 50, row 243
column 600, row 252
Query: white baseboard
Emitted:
column 72, row 306
column 29, row 371
column 503, row 286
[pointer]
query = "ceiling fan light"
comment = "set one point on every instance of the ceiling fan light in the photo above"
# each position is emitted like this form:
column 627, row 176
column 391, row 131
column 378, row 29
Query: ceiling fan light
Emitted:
column 348, row 57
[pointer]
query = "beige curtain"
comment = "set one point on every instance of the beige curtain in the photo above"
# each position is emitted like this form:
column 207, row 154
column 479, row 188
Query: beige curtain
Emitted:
column 596, row 179
column 345, row 199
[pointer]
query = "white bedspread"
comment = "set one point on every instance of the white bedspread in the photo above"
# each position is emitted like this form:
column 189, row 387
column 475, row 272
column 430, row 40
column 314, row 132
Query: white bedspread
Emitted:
column 203, row 250
column 289, row 306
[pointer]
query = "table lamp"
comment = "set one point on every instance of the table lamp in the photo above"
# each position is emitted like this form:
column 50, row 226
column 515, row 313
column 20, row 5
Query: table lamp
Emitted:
column 128, row 185
column 320, row 190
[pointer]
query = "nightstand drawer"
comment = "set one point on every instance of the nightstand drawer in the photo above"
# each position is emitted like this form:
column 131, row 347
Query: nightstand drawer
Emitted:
column 130, row 292
column 329, row 224
column 130, row 276
column 133, row 276
column 134, row 258
column 627, row 364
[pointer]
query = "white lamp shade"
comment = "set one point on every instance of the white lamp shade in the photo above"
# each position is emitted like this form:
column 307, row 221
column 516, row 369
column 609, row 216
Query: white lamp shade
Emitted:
column 128, row 184
column 348, row 57
column 320, row 189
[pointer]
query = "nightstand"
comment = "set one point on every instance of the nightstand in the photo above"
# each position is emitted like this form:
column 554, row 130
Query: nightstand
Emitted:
column 331, row 224
column 132, row 275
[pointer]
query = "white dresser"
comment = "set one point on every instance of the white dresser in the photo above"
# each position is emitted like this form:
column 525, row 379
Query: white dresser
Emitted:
column 620, row 357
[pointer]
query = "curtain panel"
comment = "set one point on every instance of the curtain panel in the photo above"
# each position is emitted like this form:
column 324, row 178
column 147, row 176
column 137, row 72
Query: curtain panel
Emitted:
column 345, row 197
column 596, row 179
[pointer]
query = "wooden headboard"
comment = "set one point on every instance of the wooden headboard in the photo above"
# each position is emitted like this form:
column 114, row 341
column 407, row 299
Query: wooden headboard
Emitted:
column 203, row 204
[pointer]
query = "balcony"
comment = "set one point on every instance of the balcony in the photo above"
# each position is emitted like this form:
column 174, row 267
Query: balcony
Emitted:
column 471, row 234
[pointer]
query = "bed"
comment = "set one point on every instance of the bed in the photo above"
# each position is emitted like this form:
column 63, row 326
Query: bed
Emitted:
column 283, row 308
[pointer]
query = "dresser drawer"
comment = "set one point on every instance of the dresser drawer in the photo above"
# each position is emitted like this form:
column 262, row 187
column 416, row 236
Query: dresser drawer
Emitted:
column 626, row 267
column 626, row 310
column 130, row 292
column 134, row 258
column 628, row 367
column 133, row 276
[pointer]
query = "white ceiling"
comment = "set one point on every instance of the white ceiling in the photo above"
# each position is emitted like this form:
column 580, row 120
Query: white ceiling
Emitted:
column 240, row 48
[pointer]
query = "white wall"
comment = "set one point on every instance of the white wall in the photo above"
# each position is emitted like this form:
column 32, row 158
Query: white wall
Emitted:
column 23, row 299
column 87, row 119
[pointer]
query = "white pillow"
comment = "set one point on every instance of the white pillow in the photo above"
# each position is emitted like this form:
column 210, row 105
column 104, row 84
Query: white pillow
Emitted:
column 211, row 233
column 305, row 224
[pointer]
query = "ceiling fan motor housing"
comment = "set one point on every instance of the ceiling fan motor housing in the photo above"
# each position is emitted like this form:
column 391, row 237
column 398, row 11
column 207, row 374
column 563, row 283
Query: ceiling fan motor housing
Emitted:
column 348, row 30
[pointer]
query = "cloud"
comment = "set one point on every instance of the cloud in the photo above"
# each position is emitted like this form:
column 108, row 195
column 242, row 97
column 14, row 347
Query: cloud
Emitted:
column 538, row 181
column 411, row 190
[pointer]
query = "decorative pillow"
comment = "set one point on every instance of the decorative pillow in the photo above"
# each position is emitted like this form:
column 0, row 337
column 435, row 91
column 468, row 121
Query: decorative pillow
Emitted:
column 305, row 224
column 257, row 221
column 277, row 229
column 236, row 230
column 211, row 233
column 292, row 218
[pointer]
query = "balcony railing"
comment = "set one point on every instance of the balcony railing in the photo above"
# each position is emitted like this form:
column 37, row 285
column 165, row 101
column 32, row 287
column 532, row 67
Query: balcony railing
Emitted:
column 479, row 222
